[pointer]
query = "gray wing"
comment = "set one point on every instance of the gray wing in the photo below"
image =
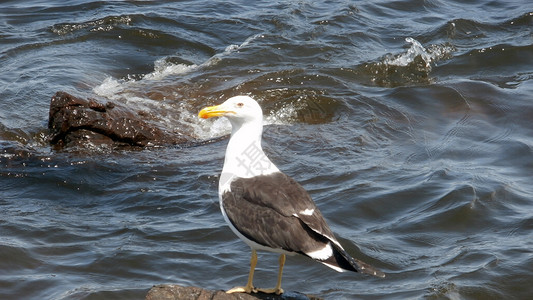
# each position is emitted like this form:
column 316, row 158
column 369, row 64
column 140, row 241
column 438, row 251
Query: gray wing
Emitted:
column 275, row 211
column 281, row 199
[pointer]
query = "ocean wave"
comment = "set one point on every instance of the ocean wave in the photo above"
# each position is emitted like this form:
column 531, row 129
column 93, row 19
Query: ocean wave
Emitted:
column 103, row 24
column 157, row 91
column 163, row 67
column 411, row 67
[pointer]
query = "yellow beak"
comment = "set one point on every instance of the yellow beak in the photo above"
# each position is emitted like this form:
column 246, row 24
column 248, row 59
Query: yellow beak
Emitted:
column 213, row 111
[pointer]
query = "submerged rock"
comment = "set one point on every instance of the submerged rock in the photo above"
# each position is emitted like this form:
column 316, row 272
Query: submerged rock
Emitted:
column 78, row 122
column 177, row 292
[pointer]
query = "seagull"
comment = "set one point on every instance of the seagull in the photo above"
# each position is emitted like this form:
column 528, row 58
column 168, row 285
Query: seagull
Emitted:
column 264, row 207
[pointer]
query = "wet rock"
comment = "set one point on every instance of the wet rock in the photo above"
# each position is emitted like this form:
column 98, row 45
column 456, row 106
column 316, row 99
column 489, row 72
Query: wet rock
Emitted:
column 176, row 292
column 78, row 122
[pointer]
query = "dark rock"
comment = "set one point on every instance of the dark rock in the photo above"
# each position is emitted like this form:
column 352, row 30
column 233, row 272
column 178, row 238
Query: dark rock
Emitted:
column 78, row 122
column 176, row 292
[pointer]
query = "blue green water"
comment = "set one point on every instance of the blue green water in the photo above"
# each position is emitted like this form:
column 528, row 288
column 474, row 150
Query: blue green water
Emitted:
column 409, row 123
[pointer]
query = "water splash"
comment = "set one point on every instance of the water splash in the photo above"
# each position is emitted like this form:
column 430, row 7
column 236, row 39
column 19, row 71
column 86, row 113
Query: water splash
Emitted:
column 113, row 88
column 411, row 67
column 109, row 87
column 168, row 98
column 137, row 92
column 409, row 57
column 233, row 48
column 208, row 129
column 164, row 68
column 283, row 116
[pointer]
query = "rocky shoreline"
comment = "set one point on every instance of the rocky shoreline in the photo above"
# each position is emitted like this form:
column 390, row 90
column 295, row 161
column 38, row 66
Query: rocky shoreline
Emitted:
column 177, row 292
column 79, row 123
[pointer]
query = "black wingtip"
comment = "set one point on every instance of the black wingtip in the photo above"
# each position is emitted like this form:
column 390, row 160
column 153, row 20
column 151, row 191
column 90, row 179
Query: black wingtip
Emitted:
column 367, row 269
column 346, row 262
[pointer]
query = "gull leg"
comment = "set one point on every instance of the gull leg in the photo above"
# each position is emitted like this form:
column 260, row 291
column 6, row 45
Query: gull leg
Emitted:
column 249, row 288
column 277, row 290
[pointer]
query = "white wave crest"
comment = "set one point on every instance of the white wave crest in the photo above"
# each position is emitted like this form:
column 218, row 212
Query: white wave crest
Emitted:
column 109, row 88
column 164, row 68
column 283, row 116
column 230, row 49
column 434, row 53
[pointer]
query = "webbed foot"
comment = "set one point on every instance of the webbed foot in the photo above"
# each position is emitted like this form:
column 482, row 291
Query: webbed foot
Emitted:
column 242, row 289
column 277, row 291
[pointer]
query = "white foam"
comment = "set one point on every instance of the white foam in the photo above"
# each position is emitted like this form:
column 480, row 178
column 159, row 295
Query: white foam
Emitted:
column 234, row 48
column 435, row 52
column 408, row 57
column 229, row 50
column 211, row 128
column 163, row 68
column 109, row 88
column 133, row 91
column 283, row 116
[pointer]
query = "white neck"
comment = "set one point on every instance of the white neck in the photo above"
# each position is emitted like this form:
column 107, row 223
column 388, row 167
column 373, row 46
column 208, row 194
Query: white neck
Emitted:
column 244, row 155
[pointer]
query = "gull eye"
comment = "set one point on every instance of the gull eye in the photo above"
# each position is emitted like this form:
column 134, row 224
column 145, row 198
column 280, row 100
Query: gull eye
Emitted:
column 240, row 104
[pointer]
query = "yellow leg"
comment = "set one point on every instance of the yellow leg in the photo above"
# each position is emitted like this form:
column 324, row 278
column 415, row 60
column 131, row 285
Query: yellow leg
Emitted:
column 277, row 290
column 249, row 288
